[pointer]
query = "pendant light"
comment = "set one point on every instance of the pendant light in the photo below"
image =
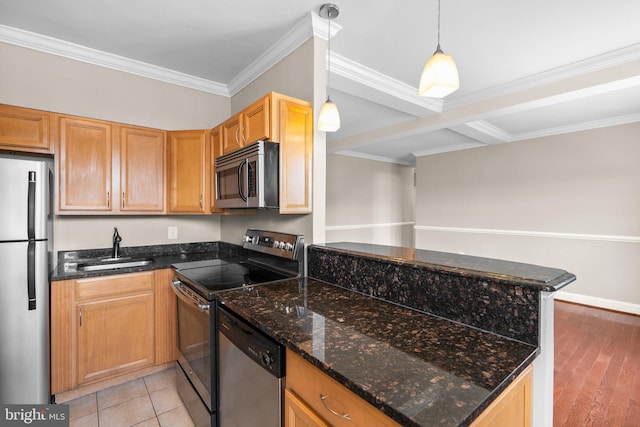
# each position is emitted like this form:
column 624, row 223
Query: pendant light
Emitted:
column 440, row 74
column 329, row 119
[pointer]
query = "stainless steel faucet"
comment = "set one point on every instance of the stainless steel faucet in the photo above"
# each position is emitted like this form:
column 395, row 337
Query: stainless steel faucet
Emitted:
column 115, row 252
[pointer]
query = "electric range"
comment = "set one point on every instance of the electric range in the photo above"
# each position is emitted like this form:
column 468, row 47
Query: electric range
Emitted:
column 269, row 256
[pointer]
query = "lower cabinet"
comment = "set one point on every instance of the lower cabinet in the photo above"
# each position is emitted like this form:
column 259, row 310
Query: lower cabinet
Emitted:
column 115, row 335
column 106, row 326
column 313, row 399
column 512, row 408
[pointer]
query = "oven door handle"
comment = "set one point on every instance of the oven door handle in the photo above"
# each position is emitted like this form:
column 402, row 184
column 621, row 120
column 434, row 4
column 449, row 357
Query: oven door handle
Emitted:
column 187, row 298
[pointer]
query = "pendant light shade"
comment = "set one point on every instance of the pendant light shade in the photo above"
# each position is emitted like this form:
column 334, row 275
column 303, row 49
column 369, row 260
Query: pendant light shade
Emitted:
column 329, row 118
column 440, row 75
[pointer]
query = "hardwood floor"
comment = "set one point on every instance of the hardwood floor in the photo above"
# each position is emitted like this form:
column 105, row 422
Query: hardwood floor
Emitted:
column 597, row 367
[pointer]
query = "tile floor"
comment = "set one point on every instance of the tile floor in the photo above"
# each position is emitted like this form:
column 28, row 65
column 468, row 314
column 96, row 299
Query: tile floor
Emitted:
column 144, row 402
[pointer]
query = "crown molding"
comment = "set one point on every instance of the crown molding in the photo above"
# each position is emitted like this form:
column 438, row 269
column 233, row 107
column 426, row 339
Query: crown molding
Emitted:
column 309, row 26
column 576, row 69
column 120, row 63
column 578, row 127
column 449, row 148
column 354, row 71
column 491, row 130
column 373, row 157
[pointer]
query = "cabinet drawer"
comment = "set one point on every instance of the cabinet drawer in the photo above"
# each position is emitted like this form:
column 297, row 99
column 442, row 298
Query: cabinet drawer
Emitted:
column 121, row 284
column 309, row 383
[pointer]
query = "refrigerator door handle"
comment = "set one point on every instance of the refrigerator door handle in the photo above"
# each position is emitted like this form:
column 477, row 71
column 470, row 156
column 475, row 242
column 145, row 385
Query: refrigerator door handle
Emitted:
column 31, row 206
column 31, row 274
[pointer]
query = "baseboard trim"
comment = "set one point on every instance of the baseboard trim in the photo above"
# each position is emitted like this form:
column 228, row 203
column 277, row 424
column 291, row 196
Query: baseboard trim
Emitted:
column 609, row 304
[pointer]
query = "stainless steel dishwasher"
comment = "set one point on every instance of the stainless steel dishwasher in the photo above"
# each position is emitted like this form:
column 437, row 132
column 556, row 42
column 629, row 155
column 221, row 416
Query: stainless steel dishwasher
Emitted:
column 251, row 374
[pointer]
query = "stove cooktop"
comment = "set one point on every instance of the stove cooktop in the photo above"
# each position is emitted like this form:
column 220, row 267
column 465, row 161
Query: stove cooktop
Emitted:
column 211, row 276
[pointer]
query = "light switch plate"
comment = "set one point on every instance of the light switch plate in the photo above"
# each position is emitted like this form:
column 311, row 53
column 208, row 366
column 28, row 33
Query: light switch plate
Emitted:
column 172, row 232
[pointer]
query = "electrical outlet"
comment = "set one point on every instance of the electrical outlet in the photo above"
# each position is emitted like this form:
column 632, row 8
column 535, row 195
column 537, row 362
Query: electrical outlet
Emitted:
column 172, row 232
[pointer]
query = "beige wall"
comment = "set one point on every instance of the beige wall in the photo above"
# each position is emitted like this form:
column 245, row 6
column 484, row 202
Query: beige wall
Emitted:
column 292, row 76
column 369, row 201
column 38, row 80
column 569, row 201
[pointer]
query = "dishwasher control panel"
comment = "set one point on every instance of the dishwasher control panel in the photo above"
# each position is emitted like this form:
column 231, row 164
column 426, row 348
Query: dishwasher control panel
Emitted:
column 255, row 344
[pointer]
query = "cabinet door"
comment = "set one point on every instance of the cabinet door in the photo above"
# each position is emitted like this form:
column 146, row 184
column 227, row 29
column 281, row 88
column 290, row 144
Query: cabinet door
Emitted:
column 256, row 121
column 142, row 163
column 215, row 141
column 115, row 336
column 296, row 154
column 231, row 136
column 23, row 129
column 188, row 171
column 298, row 414
column 84, row 165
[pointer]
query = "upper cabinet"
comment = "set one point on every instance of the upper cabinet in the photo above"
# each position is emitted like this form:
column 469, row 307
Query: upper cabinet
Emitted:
column 23, row 129
column 289, row 121
column 84, row 157
column 142, row 166
column 295, row 133
column 215, row 148
column 249, row 125
column 188, row 171
column 103, row 167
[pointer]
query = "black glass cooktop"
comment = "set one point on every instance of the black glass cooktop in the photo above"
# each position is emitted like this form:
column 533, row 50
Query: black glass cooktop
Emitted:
column 211, row 276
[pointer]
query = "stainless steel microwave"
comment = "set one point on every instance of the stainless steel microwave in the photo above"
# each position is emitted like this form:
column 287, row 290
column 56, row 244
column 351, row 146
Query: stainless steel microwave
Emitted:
column 248, row 177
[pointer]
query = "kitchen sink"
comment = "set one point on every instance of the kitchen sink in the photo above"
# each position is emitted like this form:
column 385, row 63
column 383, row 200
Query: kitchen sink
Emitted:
column 113, row 263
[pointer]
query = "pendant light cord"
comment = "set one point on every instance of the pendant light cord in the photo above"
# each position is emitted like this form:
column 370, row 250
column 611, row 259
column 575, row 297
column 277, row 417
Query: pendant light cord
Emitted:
column 329, row 50
column 438, row 48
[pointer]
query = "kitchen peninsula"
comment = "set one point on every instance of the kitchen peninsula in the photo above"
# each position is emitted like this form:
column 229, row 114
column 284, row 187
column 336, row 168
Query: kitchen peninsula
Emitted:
column 427, row 338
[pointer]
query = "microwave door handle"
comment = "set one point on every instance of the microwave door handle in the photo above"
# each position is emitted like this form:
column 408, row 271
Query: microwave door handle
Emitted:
column 240, row 180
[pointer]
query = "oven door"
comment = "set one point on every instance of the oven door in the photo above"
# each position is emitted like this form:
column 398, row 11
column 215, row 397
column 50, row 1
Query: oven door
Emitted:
column 196, row 341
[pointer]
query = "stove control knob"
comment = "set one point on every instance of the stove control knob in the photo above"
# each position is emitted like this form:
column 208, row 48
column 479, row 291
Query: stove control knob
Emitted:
column 267, row 360
column 255, row 240
column 281, row 245
column 288, row 247
column 246, row 238
column 275, row 244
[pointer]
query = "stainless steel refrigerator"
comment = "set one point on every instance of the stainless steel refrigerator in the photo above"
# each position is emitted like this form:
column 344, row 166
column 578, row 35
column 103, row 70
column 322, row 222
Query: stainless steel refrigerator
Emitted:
column 25, row 264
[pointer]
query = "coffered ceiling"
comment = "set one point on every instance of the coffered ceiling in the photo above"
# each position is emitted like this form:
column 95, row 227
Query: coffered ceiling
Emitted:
column 527, row 69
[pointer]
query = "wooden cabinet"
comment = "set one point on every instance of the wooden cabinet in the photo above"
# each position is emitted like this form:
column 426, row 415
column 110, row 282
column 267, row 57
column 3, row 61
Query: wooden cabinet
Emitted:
column 102, row 327
column 26, row 130
column 512, row 408
column 295, row 133
column 289, row 121
column 298, row 414
column 231, row 139
column 84, row 157
column 189, row 171
column 104, row 167
column 249, row 125
column 315, row 399
column 215, row 148
column 115, row 335
column 142, row 166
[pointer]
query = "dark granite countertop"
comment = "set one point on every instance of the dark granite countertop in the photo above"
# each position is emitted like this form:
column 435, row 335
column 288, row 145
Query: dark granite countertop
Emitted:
column 542, row 278
column 163, row 255
column 419, row 369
